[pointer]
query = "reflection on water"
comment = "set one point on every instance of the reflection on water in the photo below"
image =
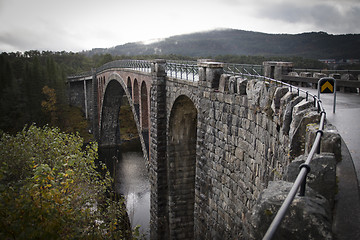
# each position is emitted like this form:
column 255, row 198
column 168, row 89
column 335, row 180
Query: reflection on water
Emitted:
column 131, row 181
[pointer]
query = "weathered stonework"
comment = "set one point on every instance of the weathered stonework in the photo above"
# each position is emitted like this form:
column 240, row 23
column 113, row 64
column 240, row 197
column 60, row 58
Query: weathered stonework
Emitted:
column 214, row 146
column 308, row 216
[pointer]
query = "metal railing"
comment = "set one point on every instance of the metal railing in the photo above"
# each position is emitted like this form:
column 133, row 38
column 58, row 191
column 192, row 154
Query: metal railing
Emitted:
column 300, row 181
column 232, row 68
column 186, row 70
column 80, row 75
column 139, row 65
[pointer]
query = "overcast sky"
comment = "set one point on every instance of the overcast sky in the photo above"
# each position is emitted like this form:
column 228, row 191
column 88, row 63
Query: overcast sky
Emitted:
column 75, row 25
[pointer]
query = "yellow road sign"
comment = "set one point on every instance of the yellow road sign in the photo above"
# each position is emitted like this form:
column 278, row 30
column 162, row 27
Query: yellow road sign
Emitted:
column 327, row 87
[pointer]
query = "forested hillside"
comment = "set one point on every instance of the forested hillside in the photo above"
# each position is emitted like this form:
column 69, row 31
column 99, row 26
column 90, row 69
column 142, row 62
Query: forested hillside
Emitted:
column 315, row 45
column 33, row 88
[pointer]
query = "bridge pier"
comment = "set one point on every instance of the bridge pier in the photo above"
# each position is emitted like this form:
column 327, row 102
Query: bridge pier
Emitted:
column 158, row 169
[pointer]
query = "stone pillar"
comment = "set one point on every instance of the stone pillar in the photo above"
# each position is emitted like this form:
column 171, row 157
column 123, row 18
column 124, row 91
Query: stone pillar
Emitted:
column 85, row 100
column 276, row 69
column 158, row 168
column 210, row 73
column 95, row 108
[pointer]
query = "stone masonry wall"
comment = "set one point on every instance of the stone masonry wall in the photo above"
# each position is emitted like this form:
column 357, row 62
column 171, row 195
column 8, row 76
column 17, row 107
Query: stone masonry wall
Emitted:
column 242, row 148
column 248, row 132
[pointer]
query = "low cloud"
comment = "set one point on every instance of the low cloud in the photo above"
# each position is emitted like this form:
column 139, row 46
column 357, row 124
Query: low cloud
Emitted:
column 323, row 16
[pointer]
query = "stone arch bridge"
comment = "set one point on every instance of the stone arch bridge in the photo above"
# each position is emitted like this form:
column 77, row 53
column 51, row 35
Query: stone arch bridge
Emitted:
column 212, row 138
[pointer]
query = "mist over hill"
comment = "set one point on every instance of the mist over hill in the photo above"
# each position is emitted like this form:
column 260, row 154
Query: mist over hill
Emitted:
column 315, row 45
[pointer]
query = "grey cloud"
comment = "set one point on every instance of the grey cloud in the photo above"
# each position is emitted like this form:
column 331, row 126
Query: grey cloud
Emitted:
column 322, row 16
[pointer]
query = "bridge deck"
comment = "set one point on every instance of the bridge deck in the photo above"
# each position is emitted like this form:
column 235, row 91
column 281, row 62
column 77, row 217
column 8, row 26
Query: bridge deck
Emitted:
column 346, row 119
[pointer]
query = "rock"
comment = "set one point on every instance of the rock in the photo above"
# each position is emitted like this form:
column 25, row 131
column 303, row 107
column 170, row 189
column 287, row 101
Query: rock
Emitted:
column 335, row 75
column 241, row 86
column 232, row 85
column 289, row 101
column 330, row 141
column 305, row 74
column 322, row 176
column 279, row 93
column 294, row 74
column 299, row 110
column 319, row 75
column 253, row 89
column 307, row 218
column 297, row 131
column 224, row 82
column 347, row 77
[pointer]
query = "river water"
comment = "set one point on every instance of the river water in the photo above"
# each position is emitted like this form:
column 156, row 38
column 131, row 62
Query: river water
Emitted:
column 131, row 181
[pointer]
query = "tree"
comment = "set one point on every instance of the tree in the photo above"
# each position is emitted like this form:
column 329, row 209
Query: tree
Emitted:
column 51, row 189
column 49, row 105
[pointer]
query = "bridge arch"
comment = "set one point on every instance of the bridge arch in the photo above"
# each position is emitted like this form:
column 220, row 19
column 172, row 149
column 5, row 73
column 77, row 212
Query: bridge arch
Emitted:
column 144, row 107
column 109, row 131
column 136, row 91
column 115, row 92
column 182, row 138
column 129, row 86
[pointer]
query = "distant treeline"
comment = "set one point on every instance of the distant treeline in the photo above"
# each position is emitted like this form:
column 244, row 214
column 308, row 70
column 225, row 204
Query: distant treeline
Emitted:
column 23, row 76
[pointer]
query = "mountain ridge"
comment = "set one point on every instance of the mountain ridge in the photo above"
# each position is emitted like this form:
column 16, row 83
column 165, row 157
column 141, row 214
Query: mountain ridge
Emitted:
column 315, row 45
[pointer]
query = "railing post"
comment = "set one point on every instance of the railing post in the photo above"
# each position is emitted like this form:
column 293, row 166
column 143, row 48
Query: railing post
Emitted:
column 303, row 184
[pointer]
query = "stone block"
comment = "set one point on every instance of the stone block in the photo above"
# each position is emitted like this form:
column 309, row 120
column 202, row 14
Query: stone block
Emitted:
column 298, row 132
column 290, row 100
column 278, row 95
column 322, row 176
column 335, row 75
column 294, row 74
column 319, row 75
column 241, row 86
column 299, row 110
column 224, row 82
column 305, row 74
column 232, row 85
column 308, row 217
column 253, row 90
column 330, row 140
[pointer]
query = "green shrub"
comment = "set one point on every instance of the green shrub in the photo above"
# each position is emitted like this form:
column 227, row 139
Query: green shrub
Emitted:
column 51, row 189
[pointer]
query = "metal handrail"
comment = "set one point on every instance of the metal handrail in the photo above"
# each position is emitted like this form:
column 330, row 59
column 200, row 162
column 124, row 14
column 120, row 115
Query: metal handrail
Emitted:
column 186, row 70
column 249, row 69
column 300, row 181
column 140, row 65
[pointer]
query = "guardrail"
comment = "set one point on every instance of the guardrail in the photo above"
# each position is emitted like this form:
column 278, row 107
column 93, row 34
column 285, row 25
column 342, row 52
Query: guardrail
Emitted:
column 140, row 65
column 300, row 181
column 232, row 68
column 186, row 70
